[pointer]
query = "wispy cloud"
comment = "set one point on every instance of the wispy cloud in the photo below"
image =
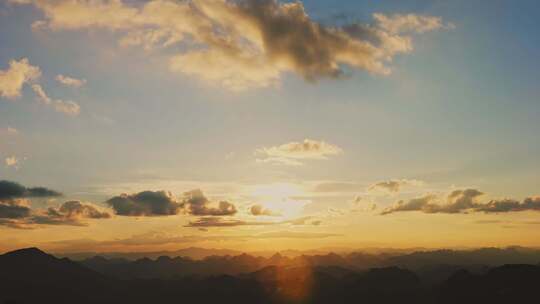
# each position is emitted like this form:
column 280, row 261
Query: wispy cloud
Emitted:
column 70, row 81
column 67, row 107
column 393, row 186
column 292, row 153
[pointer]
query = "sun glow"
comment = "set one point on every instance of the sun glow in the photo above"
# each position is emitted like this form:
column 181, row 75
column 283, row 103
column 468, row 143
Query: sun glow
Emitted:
column 281, row 198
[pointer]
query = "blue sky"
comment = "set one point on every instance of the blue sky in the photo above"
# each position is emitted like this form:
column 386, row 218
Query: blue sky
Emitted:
column 460, row 110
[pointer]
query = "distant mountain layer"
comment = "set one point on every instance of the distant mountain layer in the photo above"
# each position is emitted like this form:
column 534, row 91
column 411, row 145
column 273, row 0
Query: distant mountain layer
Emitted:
column 429, row 263
column 33, row 276
column 191, row 252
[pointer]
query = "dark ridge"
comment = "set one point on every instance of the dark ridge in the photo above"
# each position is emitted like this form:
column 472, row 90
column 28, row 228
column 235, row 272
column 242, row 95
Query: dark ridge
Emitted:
column 33, row 276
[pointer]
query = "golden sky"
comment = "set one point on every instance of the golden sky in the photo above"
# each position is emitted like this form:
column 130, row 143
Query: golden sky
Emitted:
column 266, row 125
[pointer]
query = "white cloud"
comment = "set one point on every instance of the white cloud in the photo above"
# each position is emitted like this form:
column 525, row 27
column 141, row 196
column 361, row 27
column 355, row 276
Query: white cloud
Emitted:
column 9, row 131
column 243, row 44
column 291, row 153
column 13, row 79
column 70, row 81
column 12, row 161
column 67, row 107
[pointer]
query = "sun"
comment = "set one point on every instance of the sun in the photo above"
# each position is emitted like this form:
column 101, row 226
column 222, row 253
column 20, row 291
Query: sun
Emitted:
column 284, row 199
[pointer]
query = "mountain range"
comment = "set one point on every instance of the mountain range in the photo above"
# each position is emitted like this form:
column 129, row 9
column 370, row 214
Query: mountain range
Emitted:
column 33, row 276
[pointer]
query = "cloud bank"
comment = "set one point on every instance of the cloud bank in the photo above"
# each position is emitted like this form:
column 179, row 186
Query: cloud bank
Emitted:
column 163, row 203
column 11, row 190
column 246, row 43
column 15, row 210
column 463, row 201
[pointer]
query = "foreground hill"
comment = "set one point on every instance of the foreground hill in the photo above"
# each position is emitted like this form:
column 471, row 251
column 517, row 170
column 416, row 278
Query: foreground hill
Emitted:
column 33, row 276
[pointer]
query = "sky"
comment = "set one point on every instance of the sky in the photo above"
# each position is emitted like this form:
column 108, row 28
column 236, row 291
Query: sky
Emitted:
column 158, row 125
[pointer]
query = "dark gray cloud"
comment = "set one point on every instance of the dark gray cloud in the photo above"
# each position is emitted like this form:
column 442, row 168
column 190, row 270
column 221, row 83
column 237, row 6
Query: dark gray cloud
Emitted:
column 198, row 204
column 162, row 203
column 288, row 36
column 72, row 213
column 146, row 203
column 13, row 209
column 12, row 190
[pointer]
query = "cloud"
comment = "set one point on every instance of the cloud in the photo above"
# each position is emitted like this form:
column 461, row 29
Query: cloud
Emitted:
column 162, row 203
column 243, row 44
column 78, row 209
column 457, row 201
column 299, row 221
column 11, row 161
column 423, row 203
column 13, row 79
column 146, row 203
column 69, row 213
column 360, row 204
column 510, row 205
column 220, row 222
column 70, row 81
column 464, row 201
column 67, row 107
column 72, row 213
column 460, row 200
column 9, row 131
column 398, row 23
column 338, row 187
column 393, row 186
column 14, row 209
column 11, row 190
column 157, row 238
column 259, row 210
column 198, row 204
column 296, row 235
column 291, row 153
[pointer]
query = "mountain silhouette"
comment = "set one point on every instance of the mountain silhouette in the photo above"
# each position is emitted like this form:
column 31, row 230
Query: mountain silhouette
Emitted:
column 33, row 276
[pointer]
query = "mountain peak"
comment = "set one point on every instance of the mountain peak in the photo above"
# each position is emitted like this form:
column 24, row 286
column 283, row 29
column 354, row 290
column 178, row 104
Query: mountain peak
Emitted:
column 31, row 251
